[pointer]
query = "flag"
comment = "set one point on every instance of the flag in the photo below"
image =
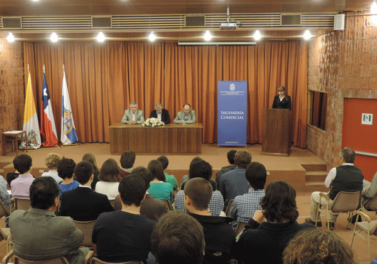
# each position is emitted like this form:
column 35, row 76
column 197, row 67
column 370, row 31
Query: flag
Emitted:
column 48, row 128
column 31, row 125
column 68, row 130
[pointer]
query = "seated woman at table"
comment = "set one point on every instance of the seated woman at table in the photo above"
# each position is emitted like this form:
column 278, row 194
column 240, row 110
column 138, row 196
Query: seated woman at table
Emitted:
column 159, row 188
column 282, row 100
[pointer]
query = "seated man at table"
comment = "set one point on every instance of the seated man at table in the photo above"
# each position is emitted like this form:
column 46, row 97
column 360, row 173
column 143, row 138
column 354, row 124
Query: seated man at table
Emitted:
column 161, row 114
column 187, row 116
column 133, row 115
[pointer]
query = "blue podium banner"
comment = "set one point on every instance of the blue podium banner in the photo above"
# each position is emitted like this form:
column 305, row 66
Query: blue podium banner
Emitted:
column 232, row 113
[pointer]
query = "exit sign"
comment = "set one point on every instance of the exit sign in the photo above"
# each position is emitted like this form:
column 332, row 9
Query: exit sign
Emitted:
column 366, row 119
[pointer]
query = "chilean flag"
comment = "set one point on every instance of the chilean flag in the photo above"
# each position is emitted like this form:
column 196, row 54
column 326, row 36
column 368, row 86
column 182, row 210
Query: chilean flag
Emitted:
column 48, row 128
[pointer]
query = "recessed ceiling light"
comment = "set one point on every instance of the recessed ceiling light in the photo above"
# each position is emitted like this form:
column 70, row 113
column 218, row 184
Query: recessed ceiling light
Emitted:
column 307, row 35
column 54, row 38
column 10, row 37
column 207, row 36
column 257, row 35
column 101, row 37
column 152, row 37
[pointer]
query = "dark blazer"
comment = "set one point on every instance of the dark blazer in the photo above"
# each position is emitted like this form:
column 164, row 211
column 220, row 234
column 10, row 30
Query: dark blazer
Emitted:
column 284, row 104
column 164, row 116
column 83, row 204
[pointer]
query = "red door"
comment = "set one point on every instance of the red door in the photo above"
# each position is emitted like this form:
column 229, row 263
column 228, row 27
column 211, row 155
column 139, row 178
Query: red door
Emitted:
column 361, row 137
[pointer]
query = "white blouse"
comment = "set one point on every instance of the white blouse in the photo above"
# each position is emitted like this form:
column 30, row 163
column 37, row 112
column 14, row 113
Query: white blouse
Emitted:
column 108, row 188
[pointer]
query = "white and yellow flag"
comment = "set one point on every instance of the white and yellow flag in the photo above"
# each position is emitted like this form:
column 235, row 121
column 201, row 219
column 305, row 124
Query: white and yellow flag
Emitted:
column 31, row 125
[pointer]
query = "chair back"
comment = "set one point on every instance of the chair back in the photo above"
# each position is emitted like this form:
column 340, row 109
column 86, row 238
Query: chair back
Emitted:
column 98, row 261
column 87, row 228
column 22, row 204
column 239, row 228
column 3, row 210
column 168, row 205
column 59, row 260
column 346, row 202
column 112, row 202
column 227, row 211
column 371, row 205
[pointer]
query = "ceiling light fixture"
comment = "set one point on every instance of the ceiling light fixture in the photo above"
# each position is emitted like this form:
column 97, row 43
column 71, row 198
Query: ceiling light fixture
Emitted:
column 10, row 37
column 207, row 36
column 373, row 11
column 54, row 38
column 101, row 37
column 152, row 37
column 307, row 35
column 257, row 35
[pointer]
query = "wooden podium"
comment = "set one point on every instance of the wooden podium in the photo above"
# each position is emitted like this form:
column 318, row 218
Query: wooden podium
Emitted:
column 276, row 131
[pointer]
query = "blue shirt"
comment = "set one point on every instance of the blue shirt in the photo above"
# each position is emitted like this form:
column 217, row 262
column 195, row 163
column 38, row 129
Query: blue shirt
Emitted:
column 233, row 183
column 68, row 187
column 215, row 205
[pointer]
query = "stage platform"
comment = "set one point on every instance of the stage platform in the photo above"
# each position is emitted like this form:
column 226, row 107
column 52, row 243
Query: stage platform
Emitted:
column 294, row 169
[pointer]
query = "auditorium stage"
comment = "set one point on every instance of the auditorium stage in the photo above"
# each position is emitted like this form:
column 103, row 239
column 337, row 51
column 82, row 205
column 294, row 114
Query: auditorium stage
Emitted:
column 279, row 167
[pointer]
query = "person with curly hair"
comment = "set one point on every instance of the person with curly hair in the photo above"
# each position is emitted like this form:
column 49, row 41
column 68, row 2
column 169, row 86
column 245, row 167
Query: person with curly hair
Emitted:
column 51, row 162
column 267, row 234
column 313, row 246
column 66, row 169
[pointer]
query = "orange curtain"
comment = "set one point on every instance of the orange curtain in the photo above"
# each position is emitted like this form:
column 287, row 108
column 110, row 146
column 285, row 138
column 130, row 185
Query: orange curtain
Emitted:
column 104, row 78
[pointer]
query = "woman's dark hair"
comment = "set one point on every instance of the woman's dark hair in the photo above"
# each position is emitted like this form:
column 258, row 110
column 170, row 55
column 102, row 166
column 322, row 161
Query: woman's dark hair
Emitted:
column 164, row 161
column 66, row 168
column 22, row 163
column 109, row 171
column 90, row 157
column 279, row 203
column 155, row 167
column 43, row 192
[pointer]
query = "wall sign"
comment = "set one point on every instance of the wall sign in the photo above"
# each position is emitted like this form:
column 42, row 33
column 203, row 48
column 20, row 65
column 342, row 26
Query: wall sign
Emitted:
column 366, row 119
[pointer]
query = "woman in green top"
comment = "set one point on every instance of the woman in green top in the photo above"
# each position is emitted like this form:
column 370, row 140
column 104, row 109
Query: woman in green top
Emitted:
column 169, row 178
column 159, row 188
column 90, row 157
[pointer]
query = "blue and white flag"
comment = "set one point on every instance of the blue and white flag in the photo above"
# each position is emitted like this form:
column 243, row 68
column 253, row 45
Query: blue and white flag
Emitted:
column 68, row 130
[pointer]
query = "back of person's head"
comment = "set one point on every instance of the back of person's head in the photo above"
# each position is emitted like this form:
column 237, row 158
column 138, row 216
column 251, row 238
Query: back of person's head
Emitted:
column 155, row 167
column 197, row 158
column 279, row 202
column 109, row 171
column 127, row 160
column 314, row 246
column 200, row 169
column 348, row 155
column 256, row 175
column 145, row 174
column 22, row 163
column 230, row 155
column 242, row 158
column 52, row 160
column 164, row 161
column 178, row 238
column 132, row 190
column 66, row 168
column 90, row 157
column 83, row 171
column 200, row 192
column 43, row 192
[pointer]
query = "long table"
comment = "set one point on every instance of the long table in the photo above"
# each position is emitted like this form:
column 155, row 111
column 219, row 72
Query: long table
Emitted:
column 168, row 139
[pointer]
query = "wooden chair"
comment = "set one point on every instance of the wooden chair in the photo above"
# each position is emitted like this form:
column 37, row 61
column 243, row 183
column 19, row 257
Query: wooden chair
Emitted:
column 112, row 202
column 87, row 228
column 227, row 211
column 5, row 232
column 240, row 227
column 18, row 260
column 344, row 202
column 168, row 205
column 368, row 226
column 20, row 204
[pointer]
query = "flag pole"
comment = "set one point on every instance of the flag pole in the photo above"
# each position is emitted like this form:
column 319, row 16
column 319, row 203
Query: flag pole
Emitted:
column 44, row 69
column 63, row 68
column 28, row 68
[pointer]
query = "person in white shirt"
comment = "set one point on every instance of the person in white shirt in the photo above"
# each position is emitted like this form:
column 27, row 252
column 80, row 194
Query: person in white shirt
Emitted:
column 109, row 179
column 51, row 162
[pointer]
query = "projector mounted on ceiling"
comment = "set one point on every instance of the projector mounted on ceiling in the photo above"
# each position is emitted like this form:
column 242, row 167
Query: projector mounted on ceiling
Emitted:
column 228, row 24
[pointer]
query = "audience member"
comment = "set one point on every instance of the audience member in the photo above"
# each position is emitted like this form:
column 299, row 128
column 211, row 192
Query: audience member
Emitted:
column 230, row 156
column 370, row 191
column 66, row 168
column 346, row 177
column 178, row 238
column 11, row 176
column 90, row 157
column 51, row 162
column 187, row 177
column 21, row 185
column 313, row 246
column 159, row 188
column 234, row 183
column 218, row 233
column 109, row 179
column 124, row 235
column 201, row 169
column 127, row 161
column 169, row 178
column 38, row 234
column 266, row 241
column 244, row 206
column 82, row 204
column 4, row 195
column 151, row 207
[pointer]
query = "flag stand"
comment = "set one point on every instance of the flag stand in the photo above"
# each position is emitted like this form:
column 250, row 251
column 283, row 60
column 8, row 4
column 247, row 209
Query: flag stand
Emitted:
column 70, row 145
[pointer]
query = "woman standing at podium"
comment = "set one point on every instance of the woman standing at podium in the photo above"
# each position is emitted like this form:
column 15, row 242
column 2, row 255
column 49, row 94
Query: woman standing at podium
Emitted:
column 282, row 100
